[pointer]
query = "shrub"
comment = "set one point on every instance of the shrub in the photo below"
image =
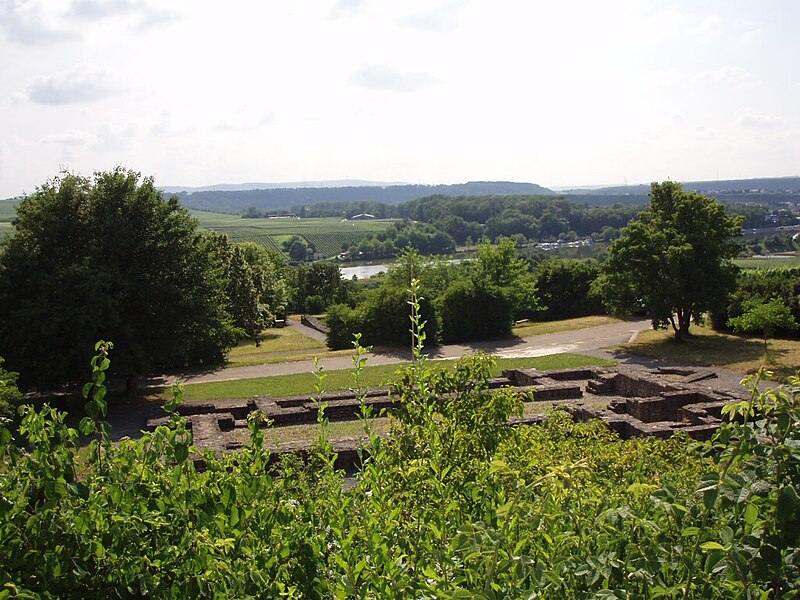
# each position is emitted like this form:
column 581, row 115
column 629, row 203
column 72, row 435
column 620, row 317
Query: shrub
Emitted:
column 473, row 312
column 761, row 285
column 10, row 396
column 565, row 289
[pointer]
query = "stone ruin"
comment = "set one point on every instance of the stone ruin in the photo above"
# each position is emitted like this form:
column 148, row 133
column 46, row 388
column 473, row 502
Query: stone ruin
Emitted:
column 634, row 402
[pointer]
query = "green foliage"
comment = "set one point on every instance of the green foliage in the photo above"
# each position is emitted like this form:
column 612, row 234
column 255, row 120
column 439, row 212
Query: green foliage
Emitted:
column 761, row 285
column 499, row 266
column 107, row 257
column 565, row 289
column 382, row 319
column 318, row 285
column 764, row 317
column 469, row 311
column 455, row 504
column 297, row 248
column 474, row 300
column 10, row 396
column 674, row 261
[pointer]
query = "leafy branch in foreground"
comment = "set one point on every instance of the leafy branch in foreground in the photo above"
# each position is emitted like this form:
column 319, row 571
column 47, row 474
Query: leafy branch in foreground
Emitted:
column 455, row 504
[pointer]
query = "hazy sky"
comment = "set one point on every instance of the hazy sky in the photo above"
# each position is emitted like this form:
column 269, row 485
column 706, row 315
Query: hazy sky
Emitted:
column 555, row 93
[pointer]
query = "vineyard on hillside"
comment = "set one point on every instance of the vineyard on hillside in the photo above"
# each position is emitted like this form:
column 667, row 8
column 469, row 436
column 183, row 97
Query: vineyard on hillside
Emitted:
column 331, row 244
column 326, row 235
column 252, row 235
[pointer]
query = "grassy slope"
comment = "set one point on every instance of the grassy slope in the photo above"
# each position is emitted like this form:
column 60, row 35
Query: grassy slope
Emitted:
column 709, row 348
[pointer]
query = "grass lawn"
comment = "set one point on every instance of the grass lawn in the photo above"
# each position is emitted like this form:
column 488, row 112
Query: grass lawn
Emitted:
column 708, row 348
column 304, row 383
column 541, row 328
column 277, row 345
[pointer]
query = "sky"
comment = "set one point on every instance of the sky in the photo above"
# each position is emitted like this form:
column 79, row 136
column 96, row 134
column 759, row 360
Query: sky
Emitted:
column 419, row 91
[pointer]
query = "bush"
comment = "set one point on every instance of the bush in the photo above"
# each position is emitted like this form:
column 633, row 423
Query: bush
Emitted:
column 565, row 289
column 761, row 285
column 342, row 322
column 382, row 319
column 10, row 396
column 472, row 312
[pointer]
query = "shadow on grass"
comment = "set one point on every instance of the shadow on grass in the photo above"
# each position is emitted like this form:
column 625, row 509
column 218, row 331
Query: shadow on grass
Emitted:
column 703, row 350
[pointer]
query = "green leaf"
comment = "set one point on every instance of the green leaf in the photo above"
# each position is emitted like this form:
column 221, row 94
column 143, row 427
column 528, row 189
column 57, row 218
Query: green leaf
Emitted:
column 712, row 546
column 750, row 513
column 710, row 497
column 181, row 452
column 787, row 502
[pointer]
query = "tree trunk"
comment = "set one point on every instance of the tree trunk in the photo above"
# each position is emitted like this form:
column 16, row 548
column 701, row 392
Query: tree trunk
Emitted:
column 684, row 320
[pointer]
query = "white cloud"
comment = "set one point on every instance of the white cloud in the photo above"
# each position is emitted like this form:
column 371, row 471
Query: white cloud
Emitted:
column 144, row 16
column 749, row 36
column 704, row 133
column 246, row 125
column 80, row 83
column 70, row 137
column 29, row 23
column 345, row 8
column 758, row 121
column 385, row 77
column 168, row 127
column 710, row 26
column 726, row 74
column 441, row 18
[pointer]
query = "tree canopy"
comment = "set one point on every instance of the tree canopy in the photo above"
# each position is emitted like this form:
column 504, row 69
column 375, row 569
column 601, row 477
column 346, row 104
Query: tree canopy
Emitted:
column 673, row 261
column 107, row 257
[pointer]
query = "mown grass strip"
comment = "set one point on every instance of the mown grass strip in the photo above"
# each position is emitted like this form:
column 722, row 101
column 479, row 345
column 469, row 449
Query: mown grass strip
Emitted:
column 541, row 328
column 303, row 383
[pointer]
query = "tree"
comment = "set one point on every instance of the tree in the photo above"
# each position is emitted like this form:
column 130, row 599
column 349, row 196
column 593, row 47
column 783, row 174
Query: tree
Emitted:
column 107, row 258
column 499, row 266
column 297, row 248
column 764, row 317
column 565, row 289
column 244, row 278
column 474, row 312
column 674, row 261
column 322, row 279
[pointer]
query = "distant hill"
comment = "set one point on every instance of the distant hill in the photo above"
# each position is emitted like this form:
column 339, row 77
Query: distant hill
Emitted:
column 237, row 201
column 240, row 187
column 765, row 190
column 763, row 184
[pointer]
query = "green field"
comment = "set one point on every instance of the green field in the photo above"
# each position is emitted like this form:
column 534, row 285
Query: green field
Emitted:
column 769, row 263
column 327, row 236
column 8, row 210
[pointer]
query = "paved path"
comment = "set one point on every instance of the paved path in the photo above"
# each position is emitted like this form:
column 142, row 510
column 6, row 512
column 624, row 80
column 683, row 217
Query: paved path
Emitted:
column 306, row 330
column 576, row 341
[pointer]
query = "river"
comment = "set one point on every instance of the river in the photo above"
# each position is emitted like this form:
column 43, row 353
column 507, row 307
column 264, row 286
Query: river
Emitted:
column 362, row 271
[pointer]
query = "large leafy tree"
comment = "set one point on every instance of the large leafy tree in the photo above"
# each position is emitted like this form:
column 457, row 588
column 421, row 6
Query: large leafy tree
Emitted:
column 107, row 258
column 674, row 261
